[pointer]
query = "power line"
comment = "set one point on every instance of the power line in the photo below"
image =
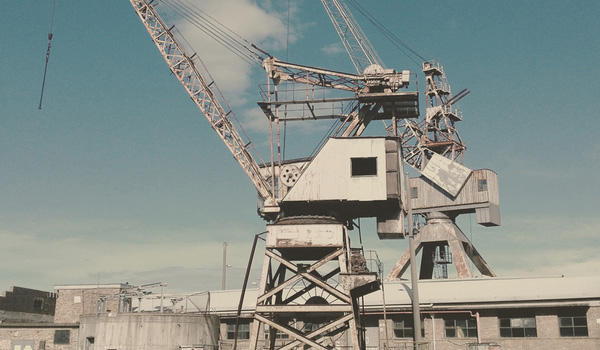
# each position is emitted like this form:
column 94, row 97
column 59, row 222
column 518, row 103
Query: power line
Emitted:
column 217, row 31
column 402, row 46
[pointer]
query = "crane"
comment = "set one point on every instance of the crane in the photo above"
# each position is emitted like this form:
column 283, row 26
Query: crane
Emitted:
column 307, row 245
column 311, row 274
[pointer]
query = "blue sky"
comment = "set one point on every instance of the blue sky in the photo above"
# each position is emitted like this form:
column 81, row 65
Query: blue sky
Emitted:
column 119, row 178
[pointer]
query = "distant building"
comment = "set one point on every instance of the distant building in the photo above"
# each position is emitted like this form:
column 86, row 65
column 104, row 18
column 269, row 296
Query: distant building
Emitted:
column 100, row 316
column 60, row 329
column 27, row 305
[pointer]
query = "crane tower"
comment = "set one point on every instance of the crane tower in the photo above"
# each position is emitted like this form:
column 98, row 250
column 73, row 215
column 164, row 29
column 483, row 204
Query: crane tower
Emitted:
column 312, row 277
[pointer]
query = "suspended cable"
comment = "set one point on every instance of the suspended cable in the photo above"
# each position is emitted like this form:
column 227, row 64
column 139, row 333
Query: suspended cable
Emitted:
column 287, row 59
column 217, row 31
column 47, row 55
column 213, row 32
column 387, row 33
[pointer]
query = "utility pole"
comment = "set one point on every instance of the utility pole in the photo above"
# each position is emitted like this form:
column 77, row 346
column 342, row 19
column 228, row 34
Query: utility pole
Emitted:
column 224, row 276
column 414, row 279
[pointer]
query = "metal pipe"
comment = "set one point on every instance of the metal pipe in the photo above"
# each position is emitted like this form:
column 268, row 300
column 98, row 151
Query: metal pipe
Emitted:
column 478, row 327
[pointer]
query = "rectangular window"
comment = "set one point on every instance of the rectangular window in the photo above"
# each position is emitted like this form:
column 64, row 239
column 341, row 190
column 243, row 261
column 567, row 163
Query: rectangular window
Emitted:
column 38, row 304
column 243, row 331
column 461, row 328
column 518, row 327
column 404, row 328
column 573, row 326
column 364, row 166
column 278, row 335
column 62, row 336
column 482, row 185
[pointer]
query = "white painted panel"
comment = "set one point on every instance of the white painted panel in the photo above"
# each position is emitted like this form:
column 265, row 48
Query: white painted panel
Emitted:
column 447, row 174
column 328, row 176
column 312, row 235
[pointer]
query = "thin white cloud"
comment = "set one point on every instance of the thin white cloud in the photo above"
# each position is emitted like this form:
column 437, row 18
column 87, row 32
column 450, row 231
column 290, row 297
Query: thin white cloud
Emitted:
column 247, row 19
column 333, row 49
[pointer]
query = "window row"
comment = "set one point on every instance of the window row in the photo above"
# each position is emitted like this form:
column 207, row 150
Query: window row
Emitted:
column 510, row 327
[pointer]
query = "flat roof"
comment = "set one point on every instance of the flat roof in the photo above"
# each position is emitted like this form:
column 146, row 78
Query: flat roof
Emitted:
column 476, row 292
column 92, row 286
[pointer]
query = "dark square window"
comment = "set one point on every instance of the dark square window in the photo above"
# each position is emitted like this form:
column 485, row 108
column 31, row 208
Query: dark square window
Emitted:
column 482, row 185
column 62, row 336
column 38, row 304
column 364, row 166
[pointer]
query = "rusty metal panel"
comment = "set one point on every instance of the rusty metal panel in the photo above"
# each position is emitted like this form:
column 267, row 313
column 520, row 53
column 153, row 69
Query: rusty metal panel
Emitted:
column 449, row 175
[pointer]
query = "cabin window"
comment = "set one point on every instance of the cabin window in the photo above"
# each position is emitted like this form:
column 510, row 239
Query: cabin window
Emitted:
column 364, row 166
column 482, row 185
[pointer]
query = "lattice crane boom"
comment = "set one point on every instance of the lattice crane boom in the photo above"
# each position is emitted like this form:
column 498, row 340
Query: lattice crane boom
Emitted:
column 196, row 80
column 355, row 42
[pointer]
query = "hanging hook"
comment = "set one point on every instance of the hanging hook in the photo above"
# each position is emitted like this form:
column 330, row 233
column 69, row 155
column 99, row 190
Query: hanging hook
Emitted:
column 47, row 55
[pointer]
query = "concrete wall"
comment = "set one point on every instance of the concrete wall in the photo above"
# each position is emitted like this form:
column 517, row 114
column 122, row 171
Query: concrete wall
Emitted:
column 140, row 331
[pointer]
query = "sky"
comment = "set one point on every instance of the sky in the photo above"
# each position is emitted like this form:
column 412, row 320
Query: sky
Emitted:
column 119, row 178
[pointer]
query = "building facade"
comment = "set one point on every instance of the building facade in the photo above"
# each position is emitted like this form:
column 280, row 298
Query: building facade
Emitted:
column 553, row 313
